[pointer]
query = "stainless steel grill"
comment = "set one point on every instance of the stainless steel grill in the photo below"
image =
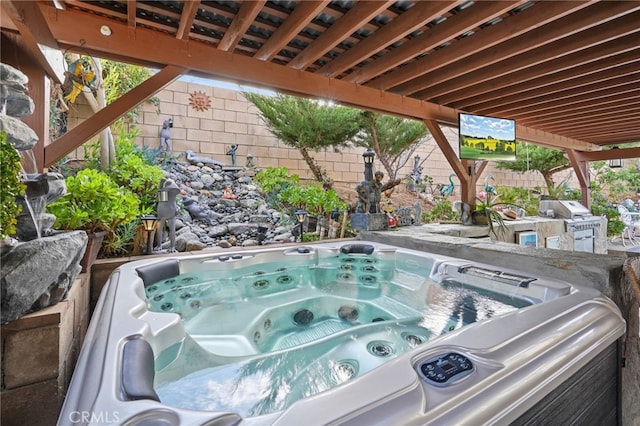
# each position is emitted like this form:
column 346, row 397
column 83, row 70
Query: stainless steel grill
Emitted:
column 580, row 224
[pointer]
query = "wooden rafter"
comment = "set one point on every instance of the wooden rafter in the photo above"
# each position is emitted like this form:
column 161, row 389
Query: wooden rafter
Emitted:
column 189, row 9
column 525, row 52
column 519, row 24
column 458, row 24
column 421, row 14
column 300, row 17
column 528, row 82
column 355, row 18
column 241, row 22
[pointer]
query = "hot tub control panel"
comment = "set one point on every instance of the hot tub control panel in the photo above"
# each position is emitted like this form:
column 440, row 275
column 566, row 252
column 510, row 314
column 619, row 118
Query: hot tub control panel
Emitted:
column 445, row 369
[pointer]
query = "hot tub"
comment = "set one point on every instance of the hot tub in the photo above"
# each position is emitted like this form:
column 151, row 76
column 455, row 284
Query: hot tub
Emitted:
column 334, row 333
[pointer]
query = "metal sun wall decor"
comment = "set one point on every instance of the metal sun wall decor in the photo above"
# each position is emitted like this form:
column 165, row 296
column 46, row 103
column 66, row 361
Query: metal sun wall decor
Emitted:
column 200, row 101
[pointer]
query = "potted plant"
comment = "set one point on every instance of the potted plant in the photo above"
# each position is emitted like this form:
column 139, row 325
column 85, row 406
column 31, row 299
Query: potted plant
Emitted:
column 489, row 211
column 95, row 204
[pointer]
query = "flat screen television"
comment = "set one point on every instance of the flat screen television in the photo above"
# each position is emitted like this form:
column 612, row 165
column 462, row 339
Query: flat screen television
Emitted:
column 486, row 138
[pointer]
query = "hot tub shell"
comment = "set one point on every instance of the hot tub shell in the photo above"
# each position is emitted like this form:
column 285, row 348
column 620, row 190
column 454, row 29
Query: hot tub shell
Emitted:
column 558, row 358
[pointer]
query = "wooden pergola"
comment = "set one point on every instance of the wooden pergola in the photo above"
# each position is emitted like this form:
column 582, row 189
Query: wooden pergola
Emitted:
column 568, row 72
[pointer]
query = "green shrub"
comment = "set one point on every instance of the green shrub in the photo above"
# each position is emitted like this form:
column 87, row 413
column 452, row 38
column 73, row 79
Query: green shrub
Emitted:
column 132, row 169
column 12, row 187
column 313, row 198
column 285, row 192
column 93, row 203
column 272, row 181
column 138, row 177
column 442, row 210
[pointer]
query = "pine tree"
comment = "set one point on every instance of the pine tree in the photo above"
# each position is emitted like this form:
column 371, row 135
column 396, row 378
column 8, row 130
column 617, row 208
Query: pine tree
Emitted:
column 308, row 125
column 393, row 139
column 545, row 161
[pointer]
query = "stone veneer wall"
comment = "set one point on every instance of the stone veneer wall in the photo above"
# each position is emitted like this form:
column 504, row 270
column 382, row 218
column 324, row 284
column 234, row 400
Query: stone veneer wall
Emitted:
column 39, row 353
column 231, row 119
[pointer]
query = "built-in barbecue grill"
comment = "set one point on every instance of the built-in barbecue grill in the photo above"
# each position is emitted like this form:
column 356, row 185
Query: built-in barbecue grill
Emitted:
column 580, row 224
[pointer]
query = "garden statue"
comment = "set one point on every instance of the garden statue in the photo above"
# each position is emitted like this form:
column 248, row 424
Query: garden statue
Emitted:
column 194, row 159
column 446, row 190
column 416, row 173
column 392, row 220
column 232, row 153
column 368, row 215
column 250, row 164
column 165, row 135
column 228, row 194
column 376, row 193
column 464, row 210
column 362, row 189
column 196, row 211
column 167, row 212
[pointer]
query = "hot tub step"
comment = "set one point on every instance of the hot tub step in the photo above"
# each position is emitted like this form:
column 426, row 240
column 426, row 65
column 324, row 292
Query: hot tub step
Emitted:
column 314, row 332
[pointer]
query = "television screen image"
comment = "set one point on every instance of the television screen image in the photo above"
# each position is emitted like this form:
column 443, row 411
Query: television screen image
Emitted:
column 486, row 138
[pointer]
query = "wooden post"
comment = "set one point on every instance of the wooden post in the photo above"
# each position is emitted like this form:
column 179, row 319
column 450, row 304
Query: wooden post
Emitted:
column 344, row 224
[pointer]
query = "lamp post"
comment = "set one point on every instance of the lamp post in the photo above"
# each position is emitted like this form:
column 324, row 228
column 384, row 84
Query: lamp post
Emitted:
column 368, row 157
column 149, row 223
column 615, row 163
column 301, row 215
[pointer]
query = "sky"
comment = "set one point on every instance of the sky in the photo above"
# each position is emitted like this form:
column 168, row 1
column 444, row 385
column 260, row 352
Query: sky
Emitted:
column 225, row 85
column 481, row 126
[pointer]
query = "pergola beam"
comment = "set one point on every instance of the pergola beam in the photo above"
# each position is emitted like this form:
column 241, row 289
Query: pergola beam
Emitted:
column 91, row 127
column 32, row 25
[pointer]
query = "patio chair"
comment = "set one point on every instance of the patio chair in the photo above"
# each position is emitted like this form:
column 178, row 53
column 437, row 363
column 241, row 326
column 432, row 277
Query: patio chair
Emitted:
column 630, row 226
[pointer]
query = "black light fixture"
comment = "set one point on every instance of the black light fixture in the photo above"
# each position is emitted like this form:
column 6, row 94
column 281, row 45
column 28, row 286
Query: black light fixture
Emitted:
column 149, row 222
column 368, row 157
column 301, row 215
column 615, row 163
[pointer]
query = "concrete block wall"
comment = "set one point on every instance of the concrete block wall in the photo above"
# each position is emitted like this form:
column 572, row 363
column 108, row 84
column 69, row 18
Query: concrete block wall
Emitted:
column 39, row 352
column 231, row 119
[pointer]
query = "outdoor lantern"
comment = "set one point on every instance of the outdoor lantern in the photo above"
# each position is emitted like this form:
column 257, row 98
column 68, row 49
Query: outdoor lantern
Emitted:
column 368, row 156
column 149, row 223
column 335, row 214
column 615, row 163
column 301, row 215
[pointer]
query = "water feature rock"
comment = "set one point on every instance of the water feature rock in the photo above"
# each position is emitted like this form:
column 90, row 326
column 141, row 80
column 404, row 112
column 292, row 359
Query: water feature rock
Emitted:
column 21, row 136
column 38, row 273
column 13, row 75
column 183, row 239
column 42, row 189
column 20, row 105
column 220, row 222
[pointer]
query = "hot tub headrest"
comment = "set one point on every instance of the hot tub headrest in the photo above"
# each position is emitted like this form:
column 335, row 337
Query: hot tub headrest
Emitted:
column 357, row 249
column 158, row 271
column 138, row 371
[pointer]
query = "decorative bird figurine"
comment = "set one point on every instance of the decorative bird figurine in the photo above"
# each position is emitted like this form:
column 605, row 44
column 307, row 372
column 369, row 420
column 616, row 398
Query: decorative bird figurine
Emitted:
column 82, row 74
column 447, row 190
column 488, row 188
